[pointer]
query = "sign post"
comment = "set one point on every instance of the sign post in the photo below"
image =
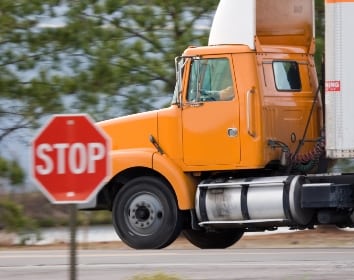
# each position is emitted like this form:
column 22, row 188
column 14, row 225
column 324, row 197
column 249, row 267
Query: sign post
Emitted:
column 70, row 163
column 72, row 221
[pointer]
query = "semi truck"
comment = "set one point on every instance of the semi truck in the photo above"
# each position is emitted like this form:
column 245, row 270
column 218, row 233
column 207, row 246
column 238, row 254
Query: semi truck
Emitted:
column 250, row 137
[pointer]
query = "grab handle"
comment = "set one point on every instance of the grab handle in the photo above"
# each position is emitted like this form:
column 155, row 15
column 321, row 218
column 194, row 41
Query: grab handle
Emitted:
column 249, row 113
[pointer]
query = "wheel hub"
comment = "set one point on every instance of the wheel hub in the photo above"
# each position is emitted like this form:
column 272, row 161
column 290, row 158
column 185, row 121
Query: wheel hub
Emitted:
column 144, row 212
column 142, row 215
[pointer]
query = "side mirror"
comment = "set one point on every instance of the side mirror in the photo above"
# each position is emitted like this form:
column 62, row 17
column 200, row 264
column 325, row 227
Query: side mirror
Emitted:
column 179, row 65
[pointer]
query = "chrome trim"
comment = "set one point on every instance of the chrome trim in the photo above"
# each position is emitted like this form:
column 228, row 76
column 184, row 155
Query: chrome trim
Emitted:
column 254, row 182
column 256, row 221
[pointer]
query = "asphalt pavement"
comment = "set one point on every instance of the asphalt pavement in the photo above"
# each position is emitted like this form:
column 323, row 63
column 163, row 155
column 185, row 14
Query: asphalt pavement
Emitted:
column 234, row 263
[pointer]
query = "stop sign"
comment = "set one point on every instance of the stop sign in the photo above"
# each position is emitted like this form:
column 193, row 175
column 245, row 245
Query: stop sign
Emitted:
column 70, row 158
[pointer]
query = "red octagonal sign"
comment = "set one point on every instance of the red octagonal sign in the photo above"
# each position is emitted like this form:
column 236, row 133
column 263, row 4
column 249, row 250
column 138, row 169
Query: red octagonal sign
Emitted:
column 70, row 158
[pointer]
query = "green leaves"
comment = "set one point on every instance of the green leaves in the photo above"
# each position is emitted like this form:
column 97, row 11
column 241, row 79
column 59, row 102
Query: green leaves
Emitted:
column 320, row 30
column 102, row 57
column 93, row 51
column 12, row 171
column 13, row 218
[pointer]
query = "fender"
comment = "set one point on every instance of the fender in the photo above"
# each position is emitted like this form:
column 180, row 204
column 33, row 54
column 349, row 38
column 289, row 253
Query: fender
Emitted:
column 183, row 184
column 124, row 159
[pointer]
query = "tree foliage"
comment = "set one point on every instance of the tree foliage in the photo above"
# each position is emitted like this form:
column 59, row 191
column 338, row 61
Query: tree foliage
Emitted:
column 12, row 170
column 104, row 57
column 101, row 57
column 12, row 217
column 319, row 32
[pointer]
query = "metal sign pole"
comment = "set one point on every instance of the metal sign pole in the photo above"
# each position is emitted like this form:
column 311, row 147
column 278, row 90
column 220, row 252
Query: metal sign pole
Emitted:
column 73, row 218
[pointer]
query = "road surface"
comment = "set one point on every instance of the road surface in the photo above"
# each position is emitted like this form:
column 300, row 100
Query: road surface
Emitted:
column 306, row 264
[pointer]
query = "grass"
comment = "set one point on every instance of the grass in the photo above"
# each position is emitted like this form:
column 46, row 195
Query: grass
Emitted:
column 157, row 276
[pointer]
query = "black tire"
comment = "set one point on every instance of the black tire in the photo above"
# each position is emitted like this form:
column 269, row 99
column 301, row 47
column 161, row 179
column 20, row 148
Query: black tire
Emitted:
column 145, row 214
column 219, row 239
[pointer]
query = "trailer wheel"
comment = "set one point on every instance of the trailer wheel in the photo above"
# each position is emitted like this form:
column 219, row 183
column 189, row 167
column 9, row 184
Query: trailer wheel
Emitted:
column 145, row 214
column 220, row 239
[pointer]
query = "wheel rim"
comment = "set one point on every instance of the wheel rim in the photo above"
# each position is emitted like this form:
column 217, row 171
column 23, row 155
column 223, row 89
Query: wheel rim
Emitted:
column 144, row 214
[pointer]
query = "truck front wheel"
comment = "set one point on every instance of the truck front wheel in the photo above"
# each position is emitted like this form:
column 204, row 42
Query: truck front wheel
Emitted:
column 145, row 214
column 219, row 239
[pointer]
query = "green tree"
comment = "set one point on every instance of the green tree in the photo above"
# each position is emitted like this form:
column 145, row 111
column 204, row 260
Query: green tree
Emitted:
column 104, row 57
column 12, row 217
column 11, row 170
column 320, row 30
column 107, row 57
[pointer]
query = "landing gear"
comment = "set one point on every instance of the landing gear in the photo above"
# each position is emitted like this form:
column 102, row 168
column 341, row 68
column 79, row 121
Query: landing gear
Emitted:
column 146, row 215
column 219, row 239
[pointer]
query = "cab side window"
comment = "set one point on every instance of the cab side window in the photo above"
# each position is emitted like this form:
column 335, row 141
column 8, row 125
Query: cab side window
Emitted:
column 287, row 76
column 210, row 80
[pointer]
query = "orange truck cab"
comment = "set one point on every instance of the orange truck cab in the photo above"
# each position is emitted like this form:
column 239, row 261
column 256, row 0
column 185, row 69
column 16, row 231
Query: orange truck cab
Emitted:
column 232, row 151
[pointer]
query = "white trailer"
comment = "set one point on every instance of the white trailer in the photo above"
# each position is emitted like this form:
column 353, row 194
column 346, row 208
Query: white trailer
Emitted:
column 339, row 85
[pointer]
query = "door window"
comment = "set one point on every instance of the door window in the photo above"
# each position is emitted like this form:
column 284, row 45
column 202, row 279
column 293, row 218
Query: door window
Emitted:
column 210, row 80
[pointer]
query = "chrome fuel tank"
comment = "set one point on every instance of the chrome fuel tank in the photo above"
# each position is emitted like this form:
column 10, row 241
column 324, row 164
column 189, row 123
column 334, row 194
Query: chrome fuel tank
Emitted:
column 252, row 200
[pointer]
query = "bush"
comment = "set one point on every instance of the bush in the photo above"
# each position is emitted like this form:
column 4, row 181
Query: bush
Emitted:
column 13, row 219
column 102, row 217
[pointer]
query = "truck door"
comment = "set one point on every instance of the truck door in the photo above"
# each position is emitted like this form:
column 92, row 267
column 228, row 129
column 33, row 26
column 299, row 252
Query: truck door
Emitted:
column 210, row 114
